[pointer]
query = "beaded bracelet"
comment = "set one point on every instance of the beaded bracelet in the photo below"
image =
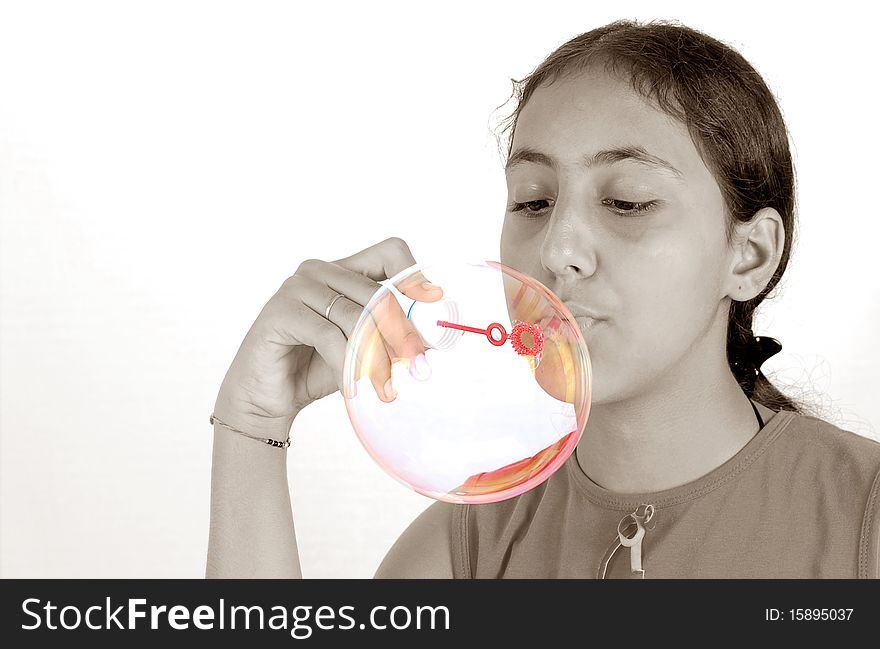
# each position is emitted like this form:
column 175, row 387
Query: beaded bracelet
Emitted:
column 266, row 440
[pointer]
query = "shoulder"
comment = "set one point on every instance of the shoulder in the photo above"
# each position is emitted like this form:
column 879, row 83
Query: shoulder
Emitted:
column 822, row 444
column 442, row 542
column 843, row 470
column 837, row 465
column 424, row 549
column 484, row 534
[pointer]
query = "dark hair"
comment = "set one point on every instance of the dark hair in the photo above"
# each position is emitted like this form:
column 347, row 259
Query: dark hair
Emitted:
column 734, row 122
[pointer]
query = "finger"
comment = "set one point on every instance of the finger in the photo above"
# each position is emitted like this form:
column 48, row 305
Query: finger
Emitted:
column 375, row 354
column 317, row 295
column 418, row 287
column 354, row 286
column 288, row 322
column 378, row 365
column 402, row 340
column 371, row 356
column 357, row 290
column 386, row 259
column 372, row 361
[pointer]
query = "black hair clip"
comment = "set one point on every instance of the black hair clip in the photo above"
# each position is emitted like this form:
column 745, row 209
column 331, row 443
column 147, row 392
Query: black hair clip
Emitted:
column 758, row 350
column 762, row 348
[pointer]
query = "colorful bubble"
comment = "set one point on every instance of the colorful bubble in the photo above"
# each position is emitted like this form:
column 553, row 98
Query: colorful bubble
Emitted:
column 500, row 398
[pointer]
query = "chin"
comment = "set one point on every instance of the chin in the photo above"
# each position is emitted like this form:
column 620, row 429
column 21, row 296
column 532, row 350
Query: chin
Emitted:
column 601, row 395
column 613, row 386
column 601, row 391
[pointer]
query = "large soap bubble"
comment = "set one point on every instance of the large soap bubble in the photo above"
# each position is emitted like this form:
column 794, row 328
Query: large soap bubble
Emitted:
column 506, row 393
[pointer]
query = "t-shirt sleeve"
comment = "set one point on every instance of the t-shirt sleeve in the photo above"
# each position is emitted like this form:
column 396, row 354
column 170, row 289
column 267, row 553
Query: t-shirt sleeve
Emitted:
column 869, row 546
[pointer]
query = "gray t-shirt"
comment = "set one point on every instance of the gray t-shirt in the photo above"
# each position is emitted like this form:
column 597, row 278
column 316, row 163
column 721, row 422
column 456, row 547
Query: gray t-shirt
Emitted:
column 800, row 500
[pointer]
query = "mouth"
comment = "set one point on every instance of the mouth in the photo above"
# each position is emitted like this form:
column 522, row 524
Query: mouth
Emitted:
column 584, row 316
column 577, row 311
column 588, row 323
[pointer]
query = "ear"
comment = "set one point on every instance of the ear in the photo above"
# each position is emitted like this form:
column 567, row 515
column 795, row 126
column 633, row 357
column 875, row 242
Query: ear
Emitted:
column 756, row 251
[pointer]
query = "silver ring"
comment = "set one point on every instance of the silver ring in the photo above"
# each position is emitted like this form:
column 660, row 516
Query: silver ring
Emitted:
column 330, row 306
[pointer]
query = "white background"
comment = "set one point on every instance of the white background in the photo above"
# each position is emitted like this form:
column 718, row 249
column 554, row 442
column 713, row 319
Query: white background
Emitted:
column 164, row 166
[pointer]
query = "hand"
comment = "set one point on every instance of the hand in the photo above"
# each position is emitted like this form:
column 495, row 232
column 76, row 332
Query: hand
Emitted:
column 292, row 355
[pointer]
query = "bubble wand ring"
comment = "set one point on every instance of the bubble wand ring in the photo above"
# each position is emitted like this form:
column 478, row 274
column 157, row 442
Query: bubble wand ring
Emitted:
column 534, row 331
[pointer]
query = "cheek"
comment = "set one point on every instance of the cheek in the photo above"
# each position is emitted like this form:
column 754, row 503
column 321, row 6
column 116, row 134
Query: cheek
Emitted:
column 518, row 248
column 667, row 289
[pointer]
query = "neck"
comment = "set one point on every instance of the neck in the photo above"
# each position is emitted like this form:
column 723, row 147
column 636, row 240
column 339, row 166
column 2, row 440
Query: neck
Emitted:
column 689, row 425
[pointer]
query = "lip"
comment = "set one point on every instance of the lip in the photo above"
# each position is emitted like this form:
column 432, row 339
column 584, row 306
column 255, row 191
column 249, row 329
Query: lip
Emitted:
column 580, row 312
column 587, row 323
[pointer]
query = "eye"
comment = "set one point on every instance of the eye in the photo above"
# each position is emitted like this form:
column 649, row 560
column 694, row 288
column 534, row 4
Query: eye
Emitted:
column 628, row 208
column 535, row 209
column 530, row 209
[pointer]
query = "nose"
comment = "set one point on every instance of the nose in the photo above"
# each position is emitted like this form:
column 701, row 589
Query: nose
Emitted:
column 569, row 245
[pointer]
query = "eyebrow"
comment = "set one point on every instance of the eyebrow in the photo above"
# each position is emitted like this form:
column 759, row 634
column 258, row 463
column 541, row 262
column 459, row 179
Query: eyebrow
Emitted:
column 606, row 156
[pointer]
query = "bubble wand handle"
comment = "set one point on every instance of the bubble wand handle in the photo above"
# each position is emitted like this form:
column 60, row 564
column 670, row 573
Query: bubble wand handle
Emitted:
column 486, row 332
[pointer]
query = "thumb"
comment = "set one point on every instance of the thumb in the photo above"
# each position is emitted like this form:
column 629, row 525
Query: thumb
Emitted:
column 418, row 287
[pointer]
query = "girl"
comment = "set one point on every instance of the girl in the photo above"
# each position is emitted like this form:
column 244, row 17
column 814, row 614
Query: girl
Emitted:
column 650, row 187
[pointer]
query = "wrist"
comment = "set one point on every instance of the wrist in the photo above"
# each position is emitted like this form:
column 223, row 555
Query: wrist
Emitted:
column 235, row 413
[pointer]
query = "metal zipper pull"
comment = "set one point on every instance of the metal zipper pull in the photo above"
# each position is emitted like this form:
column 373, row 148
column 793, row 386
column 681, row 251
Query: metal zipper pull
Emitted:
column 646, row 512
column 629, row 528
column 603, row 565
column 633, row 541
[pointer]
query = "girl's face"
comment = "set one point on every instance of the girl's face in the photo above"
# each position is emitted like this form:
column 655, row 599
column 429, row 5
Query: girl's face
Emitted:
column 612, row 208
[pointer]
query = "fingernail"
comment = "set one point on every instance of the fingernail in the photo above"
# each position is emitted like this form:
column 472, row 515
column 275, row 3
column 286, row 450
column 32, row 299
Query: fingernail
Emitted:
column 390, row 392
column 419, row 368
column 428, row 286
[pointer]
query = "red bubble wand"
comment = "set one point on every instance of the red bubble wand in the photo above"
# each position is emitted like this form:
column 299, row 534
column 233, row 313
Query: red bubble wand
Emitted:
column 515, row 336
